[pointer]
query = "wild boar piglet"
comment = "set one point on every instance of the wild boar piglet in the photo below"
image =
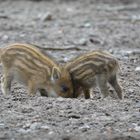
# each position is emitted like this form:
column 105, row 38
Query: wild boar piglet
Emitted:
column 94, row 68
column 28, row 65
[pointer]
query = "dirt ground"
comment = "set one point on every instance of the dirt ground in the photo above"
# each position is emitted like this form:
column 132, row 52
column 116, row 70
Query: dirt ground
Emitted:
column 67, row 28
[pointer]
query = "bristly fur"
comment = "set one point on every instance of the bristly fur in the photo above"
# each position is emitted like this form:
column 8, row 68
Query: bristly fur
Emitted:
column 94, row 68
column 28, row 65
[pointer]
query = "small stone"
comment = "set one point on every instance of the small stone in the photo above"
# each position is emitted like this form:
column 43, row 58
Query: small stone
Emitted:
column 131, row 90
column 35, row 126
column 84, row 128
column 66, row 59
column 27, row 110
column 74, row 116
column 46, row 17
column 45, row 127
column 137, row 128
column 137, row 69
column 21, row 130
column 2, row 125
column 60, row 99
column 131, row 130
column 94, row 41
column 51, row 132
column 69, row 9
column 22, row 35
column 82, row 42
column 26, row 126
column 138, row 104
column 135, row 17
column 107, row 114
column 130, row 53
column 87, row 25
column 5, row 37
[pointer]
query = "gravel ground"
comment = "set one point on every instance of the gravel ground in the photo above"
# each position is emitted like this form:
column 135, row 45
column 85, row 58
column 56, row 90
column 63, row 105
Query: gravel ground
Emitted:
column 66, row 29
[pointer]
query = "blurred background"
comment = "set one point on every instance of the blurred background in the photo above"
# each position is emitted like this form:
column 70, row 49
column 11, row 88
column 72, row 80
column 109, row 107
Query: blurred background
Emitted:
column 65, row 29
column 74, row 25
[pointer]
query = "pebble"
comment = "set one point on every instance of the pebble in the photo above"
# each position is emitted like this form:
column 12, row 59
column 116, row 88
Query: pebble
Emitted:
column 136, row 127
column 87, row 25
column 22, row 35
column 5, row 37
column 82, row 42
column 45, row 127
column 45, row 17
column 2, row 125
column 27, row 110
column 60, row 99
column 94, row 41
column 137, row 69
column 74, row 116
column 26, row 126
column 131, row 54
column 84, row 128
column 66, row 59
column 138, row 104
column 131, row 90
column 70, row 9
column 51, row 132
column 35, row 126
column 21, row 130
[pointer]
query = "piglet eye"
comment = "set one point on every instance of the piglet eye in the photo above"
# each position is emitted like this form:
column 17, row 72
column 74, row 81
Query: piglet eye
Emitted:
column 64, row 88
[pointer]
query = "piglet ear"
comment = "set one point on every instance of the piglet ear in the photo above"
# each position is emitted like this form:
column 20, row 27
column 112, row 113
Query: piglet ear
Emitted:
column 55, row 75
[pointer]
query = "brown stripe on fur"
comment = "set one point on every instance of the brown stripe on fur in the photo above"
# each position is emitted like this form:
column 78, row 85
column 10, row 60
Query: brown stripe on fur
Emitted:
column 80, row 71
column 24, row 66
column 84, row 74
column 27, row 59
column 34, row 52
column 85, row 64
